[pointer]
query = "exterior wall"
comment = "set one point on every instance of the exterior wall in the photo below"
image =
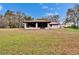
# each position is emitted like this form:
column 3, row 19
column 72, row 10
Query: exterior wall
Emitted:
column 69, row 24
column 55, row 26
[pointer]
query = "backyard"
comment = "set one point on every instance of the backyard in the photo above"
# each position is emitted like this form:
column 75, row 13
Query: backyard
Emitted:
column 37, row 42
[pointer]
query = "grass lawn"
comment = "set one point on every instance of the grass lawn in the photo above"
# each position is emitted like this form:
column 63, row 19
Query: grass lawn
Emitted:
column 72, row 30
column 20, row 41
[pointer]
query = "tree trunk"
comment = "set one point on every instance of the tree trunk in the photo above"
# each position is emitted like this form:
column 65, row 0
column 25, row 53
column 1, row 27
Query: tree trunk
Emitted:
column 77, row 23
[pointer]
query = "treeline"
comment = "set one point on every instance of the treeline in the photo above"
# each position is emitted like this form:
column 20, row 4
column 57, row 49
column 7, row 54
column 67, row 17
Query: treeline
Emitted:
column 13, row 20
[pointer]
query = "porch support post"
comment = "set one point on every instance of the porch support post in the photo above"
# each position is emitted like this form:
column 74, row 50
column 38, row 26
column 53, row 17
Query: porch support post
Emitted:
column 36, row 25
column 25, row 25
column 48, row 25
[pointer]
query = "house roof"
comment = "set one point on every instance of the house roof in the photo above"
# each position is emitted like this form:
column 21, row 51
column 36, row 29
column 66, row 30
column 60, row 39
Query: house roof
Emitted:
column 54, row 23
column 37, row 21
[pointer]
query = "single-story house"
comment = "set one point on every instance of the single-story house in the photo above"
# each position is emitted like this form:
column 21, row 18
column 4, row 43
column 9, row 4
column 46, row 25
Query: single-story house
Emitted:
column 69, row 24
column 40, row 24
column 54, row 25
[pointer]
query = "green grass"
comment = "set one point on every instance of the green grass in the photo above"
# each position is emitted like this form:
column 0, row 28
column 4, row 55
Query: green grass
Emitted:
column 36, row 42
column 26, row 42
column 72, row 30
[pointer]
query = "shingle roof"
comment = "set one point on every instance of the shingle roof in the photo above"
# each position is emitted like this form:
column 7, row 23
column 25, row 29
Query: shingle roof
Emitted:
column 37, row 21
column 54, row 23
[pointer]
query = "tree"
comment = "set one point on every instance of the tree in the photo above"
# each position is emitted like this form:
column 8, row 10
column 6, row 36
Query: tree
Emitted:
column 73, row 15
column 13, row 20
column 43, row 18
column 3, row 22
column 76, row 8
column 54, row 18
column 9, row 15
column 21, row 17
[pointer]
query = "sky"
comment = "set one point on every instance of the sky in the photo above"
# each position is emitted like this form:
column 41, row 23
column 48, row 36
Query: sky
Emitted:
column 37, row 10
